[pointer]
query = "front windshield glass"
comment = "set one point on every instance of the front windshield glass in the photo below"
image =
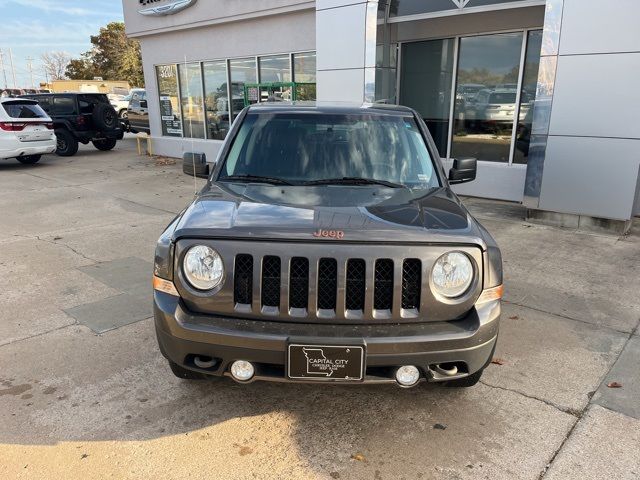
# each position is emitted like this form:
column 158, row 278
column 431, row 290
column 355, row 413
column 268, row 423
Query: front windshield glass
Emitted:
column 309, row 147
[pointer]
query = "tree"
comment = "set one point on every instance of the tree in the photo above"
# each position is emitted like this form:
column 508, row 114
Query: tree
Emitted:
column 81, row 68
column 113, row 57
column 55, row 64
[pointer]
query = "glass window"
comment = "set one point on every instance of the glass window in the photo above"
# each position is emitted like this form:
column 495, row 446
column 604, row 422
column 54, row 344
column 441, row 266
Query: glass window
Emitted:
column 242, row 70
column 45, row 101
column 330, row 146
column 482, row 3
column 400, row 8
column 191, row 100
column 488, row 68
column 304, row 67
column 64, row 105
column 427, row 74
column 528, row 96
column 169, row 104
column 216, row 99
column 304, row 71
column 275, row 68
column 23, row 109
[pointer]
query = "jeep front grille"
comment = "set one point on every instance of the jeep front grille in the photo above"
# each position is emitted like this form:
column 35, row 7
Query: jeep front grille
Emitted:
column 299, row 283
column 411, row 282
column 353, row 278
column 243, row 279
column 355, row 284
column 271, row 282
column 383, row 288
column 326, row 282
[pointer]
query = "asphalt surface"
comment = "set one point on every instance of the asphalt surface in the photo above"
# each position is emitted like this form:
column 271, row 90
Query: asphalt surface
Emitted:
column 85, row 393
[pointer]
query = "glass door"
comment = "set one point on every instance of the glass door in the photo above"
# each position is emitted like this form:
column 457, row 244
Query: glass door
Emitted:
column 486, row 96
column 426, row 82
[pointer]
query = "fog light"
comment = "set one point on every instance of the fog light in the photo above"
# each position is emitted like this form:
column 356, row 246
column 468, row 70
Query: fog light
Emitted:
column 242, row 370
column 407, row 375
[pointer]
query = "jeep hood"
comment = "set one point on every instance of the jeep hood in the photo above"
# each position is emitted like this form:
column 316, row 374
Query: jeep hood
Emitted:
column 364, row 213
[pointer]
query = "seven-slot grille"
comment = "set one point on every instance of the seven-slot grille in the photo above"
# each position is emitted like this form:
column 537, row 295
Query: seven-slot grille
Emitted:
column 358, row 280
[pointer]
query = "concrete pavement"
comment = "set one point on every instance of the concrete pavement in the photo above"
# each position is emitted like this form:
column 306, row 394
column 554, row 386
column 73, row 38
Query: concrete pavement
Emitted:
column 84, row 392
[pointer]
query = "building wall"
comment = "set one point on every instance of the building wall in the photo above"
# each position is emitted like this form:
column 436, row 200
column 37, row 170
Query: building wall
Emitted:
column 207, row 12
column 592, row 160
column 282, row 33
column 468, row 24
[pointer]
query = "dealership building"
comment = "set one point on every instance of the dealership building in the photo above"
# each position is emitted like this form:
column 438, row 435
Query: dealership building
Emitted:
column 543, row 93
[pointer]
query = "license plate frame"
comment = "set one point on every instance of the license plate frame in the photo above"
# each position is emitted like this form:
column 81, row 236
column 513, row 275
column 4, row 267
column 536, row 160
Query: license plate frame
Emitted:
column 326, row 363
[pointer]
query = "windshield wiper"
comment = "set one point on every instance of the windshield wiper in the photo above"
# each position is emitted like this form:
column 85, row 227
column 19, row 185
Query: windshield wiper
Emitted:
column 354, row 181
column 255, row 178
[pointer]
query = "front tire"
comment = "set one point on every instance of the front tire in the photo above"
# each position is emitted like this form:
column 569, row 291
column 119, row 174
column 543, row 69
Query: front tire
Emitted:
column 67, row 143
column 105, row 144
column 465, row 382
column 29, row 159
column 185, row 374
column 123, row 114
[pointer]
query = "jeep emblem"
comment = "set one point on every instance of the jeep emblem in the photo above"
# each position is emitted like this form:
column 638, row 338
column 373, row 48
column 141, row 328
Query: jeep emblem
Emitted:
column 337, row 234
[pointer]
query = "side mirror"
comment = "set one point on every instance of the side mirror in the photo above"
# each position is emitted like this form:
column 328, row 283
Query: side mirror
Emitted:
column 195, row 164
column 144, row 104
column 463, row 170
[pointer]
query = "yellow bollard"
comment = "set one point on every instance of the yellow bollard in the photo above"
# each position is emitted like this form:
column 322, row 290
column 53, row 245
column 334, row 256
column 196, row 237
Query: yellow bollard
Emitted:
column 149, row 147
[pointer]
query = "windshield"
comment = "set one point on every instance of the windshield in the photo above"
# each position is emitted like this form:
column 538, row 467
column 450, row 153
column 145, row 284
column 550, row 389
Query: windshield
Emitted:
column 301, row 148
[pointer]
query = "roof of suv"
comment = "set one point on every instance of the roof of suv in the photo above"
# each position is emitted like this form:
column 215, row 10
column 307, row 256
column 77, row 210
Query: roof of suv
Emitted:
column 331, row 107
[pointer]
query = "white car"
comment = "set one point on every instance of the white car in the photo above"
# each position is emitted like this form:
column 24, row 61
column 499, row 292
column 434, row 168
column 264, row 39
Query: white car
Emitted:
column 121, row 102
column 26, row 131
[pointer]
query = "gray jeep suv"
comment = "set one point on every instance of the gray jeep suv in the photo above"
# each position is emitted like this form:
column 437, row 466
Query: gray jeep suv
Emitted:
column 327, row 246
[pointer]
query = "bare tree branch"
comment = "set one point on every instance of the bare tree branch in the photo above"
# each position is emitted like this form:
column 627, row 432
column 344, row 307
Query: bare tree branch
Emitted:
column 55, row 64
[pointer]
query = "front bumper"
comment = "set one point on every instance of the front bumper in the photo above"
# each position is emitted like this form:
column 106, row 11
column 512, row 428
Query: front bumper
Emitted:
column 468, row 342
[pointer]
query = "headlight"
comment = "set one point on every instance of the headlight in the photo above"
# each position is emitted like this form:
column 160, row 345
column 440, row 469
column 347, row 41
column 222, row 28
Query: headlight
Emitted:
column 452, row 274
column 203, row 267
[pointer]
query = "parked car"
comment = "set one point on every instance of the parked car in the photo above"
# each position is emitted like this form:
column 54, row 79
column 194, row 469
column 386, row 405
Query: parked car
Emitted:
column 121, row 102
column 138, row 112
column 81, row 118
column 26, row 131
column 11, row 92
column 491, row 107
column 327, row 246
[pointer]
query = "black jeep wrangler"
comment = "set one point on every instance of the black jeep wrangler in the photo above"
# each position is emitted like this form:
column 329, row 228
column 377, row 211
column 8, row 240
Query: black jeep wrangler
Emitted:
column 81, row 118
column 327, row 246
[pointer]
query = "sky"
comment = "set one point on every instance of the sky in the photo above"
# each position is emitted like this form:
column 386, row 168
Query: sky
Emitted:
column 33, row 27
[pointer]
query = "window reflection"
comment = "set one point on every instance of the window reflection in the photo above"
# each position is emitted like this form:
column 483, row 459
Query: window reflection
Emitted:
column 169, row 104
column 243, row 71
column 485, row 101
column 304, row 67
column 304, row 71
column 528, row 96
column 415, row 7
column 275, row 69
column 400, row 8
column 216, row 99
column 191, row 100
column 427, row 70
column 482, row 3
